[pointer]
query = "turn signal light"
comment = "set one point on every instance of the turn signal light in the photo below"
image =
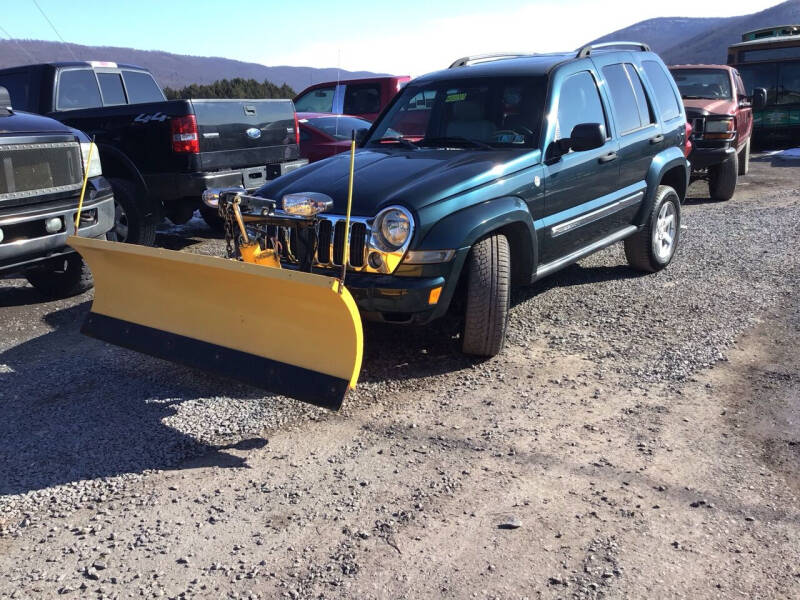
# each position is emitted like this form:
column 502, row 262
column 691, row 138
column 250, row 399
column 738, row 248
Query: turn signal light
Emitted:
column 184, row 135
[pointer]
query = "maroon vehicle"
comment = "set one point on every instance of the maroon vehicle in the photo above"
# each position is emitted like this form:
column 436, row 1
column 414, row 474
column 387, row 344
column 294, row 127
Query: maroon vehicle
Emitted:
column 721, row 115
column 323, row 134
column 363, row 98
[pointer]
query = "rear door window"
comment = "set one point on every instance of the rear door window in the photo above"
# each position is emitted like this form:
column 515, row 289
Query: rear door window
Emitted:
column 626, row 108
column 141, row 87
column 318, row 100
column 663, row 88
column 579, row 102
column 646, row 114
column 77, row 88
column 362, row 99
column 111, row 87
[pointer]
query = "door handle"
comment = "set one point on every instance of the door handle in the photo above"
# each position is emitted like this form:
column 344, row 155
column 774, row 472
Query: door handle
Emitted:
column 607, row 158
column 657, row 139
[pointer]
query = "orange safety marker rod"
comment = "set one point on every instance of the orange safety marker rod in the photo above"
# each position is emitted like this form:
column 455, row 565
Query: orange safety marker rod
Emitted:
column 346, row 257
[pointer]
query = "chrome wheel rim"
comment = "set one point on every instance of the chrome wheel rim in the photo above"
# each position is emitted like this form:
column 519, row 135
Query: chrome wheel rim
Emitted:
column 120, row 222
column 664, row 234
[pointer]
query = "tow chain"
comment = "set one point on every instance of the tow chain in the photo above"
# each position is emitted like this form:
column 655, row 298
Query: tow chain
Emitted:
column 226, row 212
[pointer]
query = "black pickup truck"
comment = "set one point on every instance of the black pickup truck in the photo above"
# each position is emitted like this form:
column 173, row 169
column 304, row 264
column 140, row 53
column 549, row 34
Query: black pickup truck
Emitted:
column 160, row 155
column 42, row 167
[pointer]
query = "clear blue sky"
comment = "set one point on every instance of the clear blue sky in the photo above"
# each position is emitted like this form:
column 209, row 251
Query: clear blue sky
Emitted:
column 408, row 36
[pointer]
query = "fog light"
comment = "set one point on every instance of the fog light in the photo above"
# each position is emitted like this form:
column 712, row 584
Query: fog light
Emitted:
column 1, row 235
column 375, row 260
column 53, row 224
column 435, row 294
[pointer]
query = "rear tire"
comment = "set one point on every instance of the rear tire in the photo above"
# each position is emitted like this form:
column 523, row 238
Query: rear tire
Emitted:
column 131, row 225
column 488, row 295
column 62, row 278
column 722, row 178
column 213, row 220
column 652, row 248
column 744, row 159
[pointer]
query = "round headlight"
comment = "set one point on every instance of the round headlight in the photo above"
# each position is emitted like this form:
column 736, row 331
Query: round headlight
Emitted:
column 395, row 227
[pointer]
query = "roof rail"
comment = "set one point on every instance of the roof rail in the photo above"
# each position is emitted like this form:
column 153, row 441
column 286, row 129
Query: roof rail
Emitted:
column 587, row 50
column 479, row 58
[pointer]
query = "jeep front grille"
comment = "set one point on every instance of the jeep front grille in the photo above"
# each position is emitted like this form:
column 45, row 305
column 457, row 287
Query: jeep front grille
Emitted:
column 331, row 241
column 30, row 172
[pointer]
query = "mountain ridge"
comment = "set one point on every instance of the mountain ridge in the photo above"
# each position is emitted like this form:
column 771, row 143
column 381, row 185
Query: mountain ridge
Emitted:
column 171, row 70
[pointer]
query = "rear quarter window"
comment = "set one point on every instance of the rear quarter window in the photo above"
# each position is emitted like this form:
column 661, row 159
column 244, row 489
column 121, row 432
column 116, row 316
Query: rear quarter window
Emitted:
column 141, row 87
column 663, row 88
column 362, row 99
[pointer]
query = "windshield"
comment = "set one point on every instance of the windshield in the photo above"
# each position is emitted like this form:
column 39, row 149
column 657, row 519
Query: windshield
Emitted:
column 706, row 84
column 486, row 113
column 340, row 128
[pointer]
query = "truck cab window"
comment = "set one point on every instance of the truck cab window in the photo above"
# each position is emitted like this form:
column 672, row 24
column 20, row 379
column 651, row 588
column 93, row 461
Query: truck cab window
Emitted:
column 111, row 86
column 77, row 88
column 141, row 87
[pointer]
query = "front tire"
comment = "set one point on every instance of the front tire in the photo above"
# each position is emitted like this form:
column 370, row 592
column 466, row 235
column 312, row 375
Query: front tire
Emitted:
column 488, row 295
column 131, row 224
column 652, row 248
column 722, row 178
column 62, row 278
column 744, row 159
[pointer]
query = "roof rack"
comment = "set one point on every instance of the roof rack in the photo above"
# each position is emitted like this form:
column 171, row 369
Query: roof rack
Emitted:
column 587, row 50
column 480, row 58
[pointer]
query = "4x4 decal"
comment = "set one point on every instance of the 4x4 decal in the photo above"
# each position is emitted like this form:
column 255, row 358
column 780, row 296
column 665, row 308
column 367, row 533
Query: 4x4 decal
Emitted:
column 146, row 118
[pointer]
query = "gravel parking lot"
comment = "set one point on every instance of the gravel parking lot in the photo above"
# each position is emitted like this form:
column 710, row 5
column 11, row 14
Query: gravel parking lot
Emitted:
column 637, row 438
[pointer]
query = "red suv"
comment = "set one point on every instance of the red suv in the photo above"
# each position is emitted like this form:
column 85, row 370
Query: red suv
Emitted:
column 363, row 98
column 721, row 115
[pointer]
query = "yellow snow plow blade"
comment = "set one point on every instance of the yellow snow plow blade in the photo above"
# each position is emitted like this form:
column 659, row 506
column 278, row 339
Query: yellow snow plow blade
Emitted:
column 294, row 333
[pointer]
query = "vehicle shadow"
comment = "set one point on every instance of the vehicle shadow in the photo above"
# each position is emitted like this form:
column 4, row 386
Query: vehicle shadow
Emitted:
column 73, row 408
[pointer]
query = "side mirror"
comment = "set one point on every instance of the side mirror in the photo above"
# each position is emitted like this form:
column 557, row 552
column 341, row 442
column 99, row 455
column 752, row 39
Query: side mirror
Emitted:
column 759, row 98
column 361, row 136
column 5, row 100
column 587, row 136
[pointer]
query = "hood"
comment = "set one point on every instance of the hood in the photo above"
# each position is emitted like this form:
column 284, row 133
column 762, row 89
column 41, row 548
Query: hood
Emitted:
column 714, row 107
column 413, row 178
column 25, row 123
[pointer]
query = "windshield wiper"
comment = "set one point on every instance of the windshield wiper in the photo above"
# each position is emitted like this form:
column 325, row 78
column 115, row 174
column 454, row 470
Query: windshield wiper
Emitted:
column 395, row 140
column 699, row 98
column 457, row 139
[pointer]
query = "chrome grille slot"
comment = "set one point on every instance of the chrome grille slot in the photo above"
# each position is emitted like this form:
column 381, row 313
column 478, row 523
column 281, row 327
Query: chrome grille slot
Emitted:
column 324, row 247
column 338, row 242
column 358, row 244
column 698, row 127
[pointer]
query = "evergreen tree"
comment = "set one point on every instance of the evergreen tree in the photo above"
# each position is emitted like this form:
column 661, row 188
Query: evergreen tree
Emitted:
column 231, row 88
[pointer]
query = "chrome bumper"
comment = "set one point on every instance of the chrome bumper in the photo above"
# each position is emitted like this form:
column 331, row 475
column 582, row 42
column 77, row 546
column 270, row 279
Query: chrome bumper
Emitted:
column 23, row 244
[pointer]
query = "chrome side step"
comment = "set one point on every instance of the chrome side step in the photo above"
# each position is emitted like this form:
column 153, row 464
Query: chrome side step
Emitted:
column 567, row 260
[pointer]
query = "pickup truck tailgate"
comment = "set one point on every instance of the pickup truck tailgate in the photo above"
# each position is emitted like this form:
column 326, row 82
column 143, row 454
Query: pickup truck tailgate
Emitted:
column 242, row 133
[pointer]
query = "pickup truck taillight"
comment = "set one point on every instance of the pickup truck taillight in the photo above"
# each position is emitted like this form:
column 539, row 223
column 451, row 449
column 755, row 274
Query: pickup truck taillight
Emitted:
column 184, row 135
column 296, row 130
column 687, row 144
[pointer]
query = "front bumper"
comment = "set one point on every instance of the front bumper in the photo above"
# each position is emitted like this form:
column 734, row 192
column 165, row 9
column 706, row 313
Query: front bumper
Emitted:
column 27, row 242
column 173, row 186
column 703, row 157
column 403, row 298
